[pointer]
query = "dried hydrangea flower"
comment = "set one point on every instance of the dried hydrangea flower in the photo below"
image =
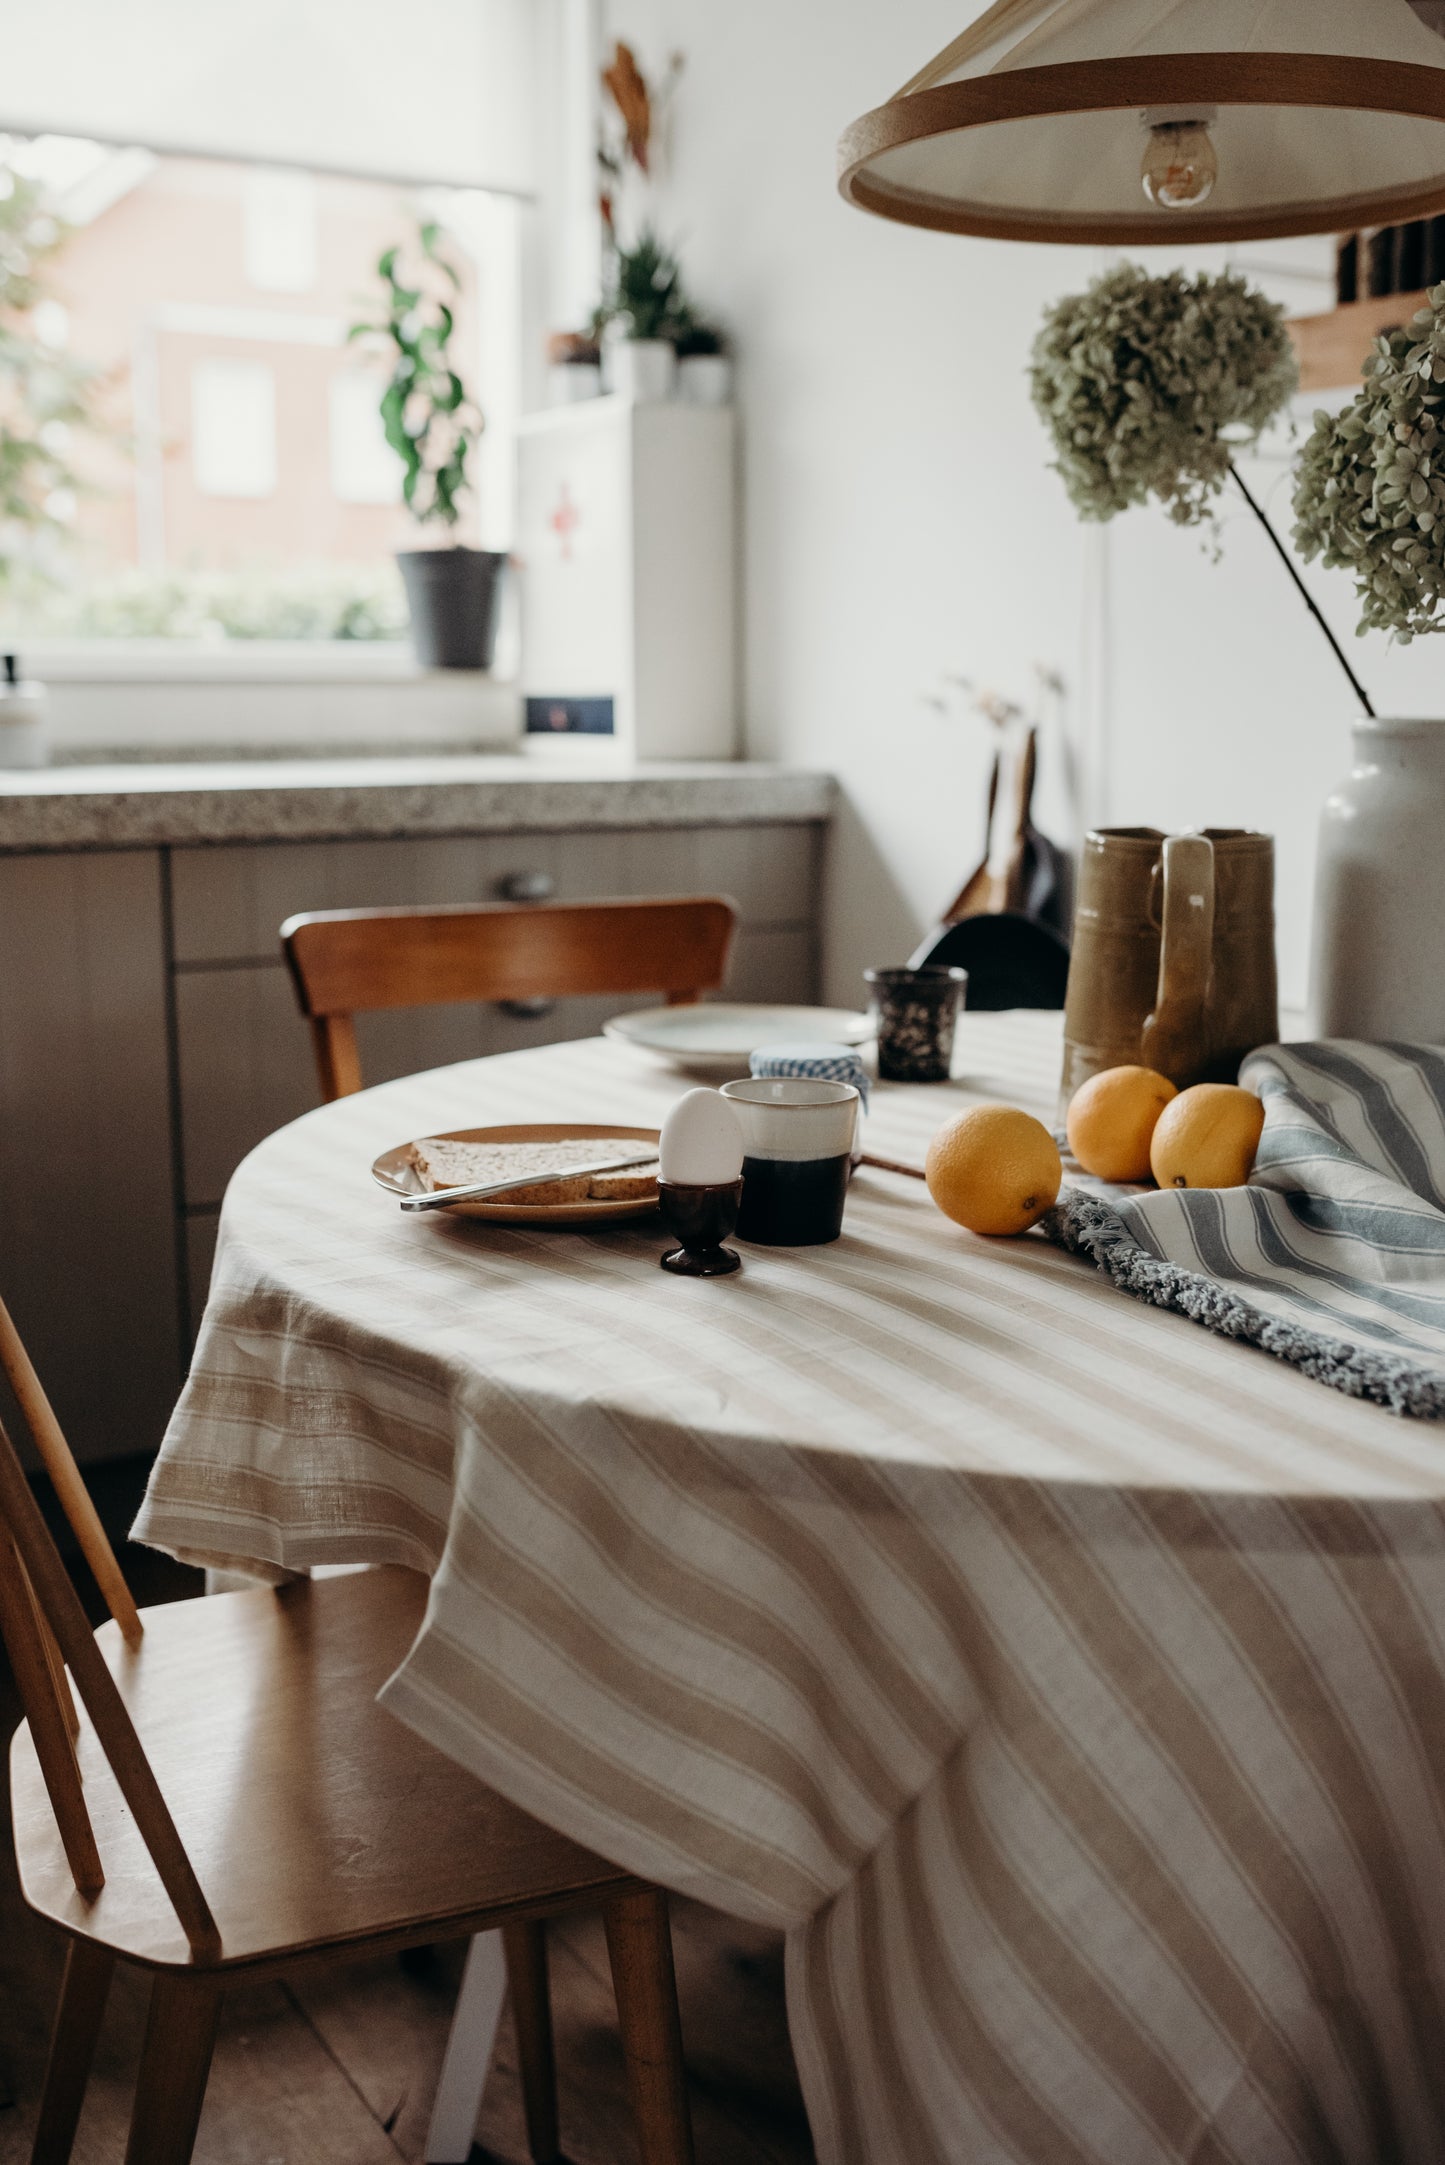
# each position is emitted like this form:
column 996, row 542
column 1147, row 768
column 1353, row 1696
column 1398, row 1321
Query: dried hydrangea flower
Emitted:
column 1149, row 385
column 1369, row 493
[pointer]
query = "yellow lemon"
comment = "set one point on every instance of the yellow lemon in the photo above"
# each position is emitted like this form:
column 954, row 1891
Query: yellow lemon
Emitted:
column 1111, row 1121
column 1207, row 1137
column 993, row 1169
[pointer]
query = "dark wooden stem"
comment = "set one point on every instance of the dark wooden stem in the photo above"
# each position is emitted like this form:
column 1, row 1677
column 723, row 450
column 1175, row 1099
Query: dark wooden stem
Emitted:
column 1305, row 595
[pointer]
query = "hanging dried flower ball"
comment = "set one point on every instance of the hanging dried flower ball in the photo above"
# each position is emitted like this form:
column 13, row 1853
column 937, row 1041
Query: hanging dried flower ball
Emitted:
column 1370, row 483
column 1150, row 385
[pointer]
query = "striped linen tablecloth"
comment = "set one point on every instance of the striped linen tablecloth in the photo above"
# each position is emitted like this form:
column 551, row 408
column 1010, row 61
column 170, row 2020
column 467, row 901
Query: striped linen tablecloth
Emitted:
column 1068, row 1682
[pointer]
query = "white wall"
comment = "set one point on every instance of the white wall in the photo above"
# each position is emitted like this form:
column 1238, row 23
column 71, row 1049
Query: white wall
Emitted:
column 901, row 522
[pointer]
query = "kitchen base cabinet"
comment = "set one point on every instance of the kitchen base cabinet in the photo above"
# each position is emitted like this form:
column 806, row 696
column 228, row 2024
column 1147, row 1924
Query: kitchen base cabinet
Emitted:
column 88, row 1230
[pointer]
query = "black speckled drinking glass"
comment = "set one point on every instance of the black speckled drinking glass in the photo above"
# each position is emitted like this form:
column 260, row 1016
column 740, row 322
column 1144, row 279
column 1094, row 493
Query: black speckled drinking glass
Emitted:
column 915, row 1012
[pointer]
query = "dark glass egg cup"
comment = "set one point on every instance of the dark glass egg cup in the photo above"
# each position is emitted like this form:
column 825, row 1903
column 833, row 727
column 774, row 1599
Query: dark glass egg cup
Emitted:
column 701, row 1218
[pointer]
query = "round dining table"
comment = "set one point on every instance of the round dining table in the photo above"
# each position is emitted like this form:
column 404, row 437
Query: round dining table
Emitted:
column 1067, row 1682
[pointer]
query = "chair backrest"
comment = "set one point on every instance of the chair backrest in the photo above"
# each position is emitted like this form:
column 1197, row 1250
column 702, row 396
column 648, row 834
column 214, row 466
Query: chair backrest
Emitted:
column 44, row 1625
column 349, row 962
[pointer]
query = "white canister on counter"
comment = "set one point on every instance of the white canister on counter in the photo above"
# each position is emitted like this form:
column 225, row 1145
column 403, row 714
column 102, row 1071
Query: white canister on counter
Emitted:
column 23, row 738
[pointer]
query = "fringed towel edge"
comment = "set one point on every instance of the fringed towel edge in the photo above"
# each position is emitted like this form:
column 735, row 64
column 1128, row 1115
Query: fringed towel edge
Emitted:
column 1087, row 1225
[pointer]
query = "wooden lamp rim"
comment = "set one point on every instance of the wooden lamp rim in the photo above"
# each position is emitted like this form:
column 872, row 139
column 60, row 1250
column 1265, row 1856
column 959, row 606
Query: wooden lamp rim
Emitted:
column 1338, row 82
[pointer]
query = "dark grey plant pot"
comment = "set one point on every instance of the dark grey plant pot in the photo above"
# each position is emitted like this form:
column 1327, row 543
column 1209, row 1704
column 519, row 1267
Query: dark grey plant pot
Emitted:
column 451, row 597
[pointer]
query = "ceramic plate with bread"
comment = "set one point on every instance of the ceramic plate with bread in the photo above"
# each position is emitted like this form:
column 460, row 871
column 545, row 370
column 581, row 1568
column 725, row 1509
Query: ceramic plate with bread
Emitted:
column 467, row 1156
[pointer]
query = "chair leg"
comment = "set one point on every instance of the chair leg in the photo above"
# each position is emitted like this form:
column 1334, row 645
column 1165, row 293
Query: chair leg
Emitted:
column 469, row 2053
column 639, row 1946
column 175, row 2061
column 88, row 1971
column 526, row 1946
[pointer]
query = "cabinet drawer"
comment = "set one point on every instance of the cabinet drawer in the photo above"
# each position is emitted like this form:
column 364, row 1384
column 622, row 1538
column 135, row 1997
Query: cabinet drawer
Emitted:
column 229, row 904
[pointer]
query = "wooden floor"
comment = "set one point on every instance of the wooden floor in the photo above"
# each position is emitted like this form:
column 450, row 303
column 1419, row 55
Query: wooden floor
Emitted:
column 341, row 2070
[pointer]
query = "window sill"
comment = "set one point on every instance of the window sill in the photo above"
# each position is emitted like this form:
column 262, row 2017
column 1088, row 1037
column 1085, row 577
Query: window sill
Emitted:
column 149, row 699
column 234, row 661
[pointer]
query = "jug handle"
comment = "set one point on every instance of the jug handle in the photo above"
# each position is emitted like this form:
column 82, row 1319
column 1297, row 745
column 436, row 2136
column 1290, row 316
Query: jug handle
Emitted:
column 1175, row 1038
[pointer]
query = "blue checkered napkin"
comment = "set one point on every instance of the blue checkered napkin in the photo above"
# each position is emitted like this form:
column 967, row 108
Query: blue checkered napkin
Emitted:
column 822, row 1063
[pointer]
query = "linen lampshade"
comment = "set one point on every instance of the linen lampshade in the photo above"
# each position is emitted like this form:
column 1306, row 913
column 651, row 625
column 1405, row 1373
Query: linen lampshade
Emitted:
column 1322, row 115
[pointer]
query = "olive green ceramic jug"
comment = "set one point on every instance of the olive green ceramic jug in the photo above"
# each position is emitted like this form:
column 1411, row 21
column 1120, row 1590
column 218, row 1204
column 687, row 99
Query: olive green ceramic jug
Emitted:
column 1173, row 957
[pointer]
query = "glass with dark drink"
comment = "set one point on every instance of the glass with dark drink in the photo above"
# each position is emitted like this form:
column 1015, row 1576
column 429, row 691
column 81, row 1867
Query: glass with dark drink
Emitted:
column 798, row 1145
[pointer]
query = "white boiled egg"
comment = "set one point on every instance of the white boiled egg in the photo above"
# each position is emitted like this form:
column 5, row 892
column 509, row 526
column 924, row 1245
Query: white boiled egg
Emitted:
column 702, row 1141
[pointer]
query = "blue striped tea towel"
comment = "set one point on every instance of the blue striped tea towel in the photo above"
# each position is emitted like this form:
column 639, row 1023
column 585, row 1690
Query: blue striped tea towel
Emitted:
column 1333, row 1256
column 826, row 1063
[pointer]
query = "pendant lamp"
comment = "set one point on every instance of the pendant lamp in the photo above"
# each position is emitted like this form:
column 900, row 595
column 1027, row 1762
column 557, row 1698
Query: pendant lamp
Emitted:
column 1131, row 121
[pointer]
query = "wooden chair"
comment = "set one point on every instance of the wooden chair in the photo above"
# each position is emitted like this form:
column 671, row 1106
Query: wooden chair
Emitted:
column 230, row 1810
column 350, row 962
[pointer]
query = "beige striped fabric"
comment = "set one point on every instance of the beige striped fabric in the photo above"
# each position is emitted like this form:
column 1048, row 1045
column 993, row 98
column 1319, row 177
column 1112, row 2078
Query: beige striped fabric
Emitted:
column 1068, row 1682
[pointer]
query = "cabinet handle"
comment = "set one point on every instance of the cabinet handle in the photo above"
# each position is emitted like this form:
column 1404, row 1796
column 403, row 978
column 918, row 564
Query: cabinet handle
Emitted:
column 526, row 887
column 526, row 1010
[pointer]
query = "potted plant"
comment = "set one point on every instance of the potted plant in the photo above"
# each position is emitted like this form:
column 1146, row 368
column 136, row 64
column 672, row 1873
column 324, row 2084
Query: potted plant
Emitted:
column 704, row 366
column 643, row 309
column 432, row 425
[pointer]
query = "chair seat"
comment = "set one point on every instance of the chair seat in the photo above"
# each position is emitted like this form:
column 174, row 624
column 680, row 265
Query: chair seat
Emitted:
column 311, row 1816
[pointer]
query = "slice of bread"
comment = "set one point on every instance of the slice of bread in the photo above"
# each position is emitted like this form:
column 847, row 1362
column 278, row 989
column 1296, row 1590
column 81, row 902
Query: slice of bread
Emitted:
column 632, row 1186
column 443, row 1164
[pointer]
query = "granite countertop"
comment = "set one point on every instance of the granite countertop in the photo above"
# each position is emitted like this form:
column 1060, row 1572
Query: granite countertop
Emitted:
column 144, row 805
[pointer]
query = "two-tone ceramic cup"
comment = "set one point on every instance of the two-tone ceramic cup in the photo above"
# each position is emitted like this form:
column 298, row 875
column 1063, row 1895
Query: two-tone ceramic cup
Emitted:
column 798, row 1154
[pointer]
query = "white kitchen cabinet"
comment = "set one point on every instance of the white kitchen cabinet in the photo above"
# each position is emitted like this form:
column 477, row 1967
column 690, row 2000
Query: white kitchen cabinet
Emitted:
column 626, row 533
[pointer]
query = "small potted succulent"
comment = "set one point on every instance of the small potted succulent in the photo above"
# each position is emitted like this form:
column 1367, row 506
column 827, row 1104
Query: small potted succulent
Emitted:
column 642, row 311
column 432, row 425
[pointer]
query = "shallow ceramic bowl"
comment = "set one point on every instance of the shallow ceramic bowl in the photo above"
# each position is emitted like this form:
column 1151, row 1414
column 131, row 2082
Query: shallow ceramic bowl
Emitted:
column 394, row 1172
column 718, row 1037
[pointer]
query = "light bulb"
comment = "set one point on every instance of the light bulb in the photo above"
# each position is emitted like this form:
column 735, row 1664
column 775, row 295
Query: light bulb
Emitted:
column 1179, row 167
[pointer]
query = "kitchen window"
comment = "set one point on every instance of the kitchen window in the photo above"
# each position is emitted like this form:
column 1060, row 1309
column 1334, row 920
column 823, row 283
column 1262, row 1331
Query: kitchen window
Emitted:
column 237, row 463
column 236, row 509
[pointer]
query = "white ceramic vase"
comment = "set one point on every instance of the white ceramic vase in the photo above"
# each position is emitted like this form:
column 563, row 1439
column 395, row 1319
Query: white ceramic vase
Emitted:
column 643, row 369
column 569, row 382
column 1378, row 964
column 705, row 379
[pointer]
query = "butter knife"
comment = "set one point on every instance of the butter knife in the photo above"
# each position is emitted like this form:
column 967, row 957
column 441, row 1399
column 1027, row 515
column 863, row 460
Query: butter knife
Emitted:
column 440, row 1198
